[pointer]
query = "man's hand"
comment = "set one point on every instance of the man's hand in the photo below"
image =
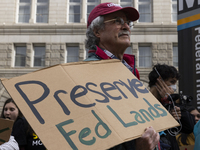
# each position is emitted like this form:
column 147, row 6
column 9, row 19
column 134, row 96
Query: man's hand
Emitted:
column 176, row 114
column 148, row 141
column 163, row 89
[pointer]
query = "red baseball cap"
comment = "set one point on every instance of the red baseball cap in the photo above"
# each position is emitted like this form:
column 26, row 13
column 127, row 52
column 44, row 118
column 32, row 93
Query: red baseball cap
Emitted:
column 107, row 8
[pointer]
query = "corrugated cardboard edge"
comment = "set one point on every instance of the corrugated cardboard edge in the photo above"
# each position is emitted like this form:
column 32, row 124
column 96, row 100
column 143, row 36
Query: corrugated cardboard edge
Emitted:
column 129, row 139
column 72, row 63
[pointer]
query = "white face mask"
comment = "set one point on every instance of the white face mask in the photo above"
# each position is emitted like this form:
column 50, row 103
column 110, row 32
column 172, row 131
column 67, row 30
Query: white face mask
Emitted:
column 173, row 87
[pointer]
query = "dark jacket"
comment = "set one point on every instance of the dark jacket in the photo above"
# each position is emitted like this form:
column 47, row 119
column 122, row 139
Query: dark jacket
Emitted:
column 169, row 142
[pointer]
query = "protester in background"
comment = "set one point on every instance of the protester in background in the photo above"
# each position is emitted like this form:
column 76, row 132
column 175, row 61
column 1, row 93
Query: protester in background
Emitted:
column 162, row 83
column 10, row 111
column 22, row 131
column 108, row 36
column 188, row 139
column 194, row 112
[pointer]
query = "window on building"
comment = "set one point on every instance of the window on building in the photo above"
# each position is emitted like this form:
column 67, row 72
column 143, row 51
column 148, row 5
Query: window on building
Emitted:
column 90, row 5
column 72, row 53
column 175, row 56
column 126, row 3
column 145, row 56
column 145, row 10
column 42, row 12
column 86, row 53
column 24, row 11
column 20, row 56
column 75, row 10
column 174, row 10
column 129, row 51
column 39, row 56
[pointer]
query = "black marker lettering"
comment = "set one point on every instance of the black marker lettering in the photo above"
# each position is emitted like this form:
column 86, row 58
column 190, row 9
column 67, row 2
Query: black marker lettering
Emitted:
column 31, row 103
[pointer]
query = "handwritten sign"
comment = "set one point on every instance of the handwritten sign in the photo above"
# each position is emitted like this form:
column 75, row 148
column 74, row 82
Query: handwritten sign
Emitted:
column 5, row 130
column 82, row 105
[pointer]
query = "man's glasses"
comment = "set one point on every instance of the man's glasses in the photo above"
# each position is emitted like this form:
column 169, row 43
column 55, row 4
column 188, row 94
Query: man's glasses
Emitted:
column 120, row 21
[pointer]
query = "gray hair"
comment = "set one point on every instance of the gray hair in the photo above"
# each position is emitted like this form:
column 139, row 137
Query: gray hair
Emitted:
column 91, row 39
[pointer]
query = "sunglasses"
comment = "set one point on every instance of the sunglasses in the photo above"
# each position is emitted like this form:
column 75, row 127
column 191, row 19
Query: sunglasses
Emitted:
column 120, row 21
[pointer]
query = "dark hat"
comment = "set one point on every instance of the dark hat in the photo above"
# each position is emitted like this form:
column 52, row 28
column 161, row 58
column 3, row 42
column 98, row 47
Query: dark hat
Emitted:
column 107, row 8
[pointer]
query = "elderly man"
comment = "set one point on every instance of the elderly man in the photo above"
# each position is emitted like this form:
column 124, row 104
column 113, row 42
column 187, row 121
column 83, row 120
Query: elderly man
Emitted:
column 108, row 36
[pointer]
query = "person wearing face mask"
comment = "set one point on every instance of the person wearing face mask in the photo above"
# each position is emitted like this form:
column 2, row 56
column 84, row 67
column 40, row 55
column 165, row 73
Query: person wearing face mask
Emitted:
column 162, row 84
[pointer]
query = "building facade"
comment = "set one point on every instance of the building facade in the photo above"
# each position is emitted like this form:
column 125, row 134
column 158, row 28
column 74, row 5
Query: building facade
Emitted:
column 41, row 33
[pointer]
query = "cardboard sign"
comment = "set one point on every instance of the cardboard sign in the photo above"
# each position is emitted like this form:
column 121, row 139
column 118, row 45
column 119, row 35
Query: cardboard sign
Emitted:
column 187, row 147
column 5, row 130
column 82, row 105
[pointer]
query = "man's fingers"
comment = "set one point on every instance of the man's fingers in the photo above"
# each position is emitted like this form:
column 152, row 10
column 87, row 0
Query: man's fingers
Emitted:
column 152, row 135
column 148, row 141
column 162, row 88
column 162, row 83
column 176, row 112
column 177, row 108
column 158, row 86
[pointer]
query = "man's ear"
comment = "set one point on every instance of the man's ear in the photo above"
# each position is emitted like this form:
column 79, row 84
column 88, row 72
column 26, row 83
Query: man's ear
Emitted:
column 96, row 33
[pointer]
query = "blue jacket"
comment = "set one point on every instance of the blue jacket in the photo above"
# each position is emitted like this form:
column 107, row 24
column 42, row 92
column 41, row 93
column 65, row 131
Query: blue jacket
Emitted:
column 197, row 136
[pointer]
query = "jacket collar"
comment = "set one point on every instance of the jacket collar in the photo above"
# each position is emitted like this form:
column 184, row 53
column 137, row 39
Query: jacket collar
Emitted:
column 130, row 59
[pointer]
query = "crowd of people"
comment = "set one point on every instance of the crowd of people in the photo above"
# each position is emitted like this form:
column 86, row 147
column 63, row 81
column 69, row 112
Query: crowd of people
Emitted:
column 162, row 84
column 107, row 37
